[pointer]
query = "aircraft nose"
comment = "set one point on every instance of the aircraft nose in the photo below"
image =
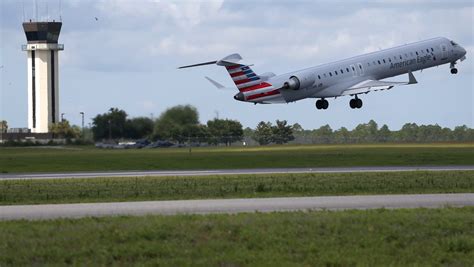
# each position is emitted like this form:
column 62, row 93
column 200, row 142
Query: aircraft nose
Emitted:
column 463, row 51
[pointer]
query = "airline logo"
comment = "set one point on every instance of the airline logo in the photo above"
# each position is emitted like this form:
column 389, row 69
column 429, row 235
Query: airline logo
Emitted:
column 250, row 83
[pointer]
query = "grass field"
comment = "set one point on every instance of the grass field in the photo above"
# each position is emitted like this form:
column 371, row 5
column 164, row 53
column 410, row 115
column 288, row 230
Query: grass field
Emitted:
column 18, row 160
column 417, row 237
column 236, row 186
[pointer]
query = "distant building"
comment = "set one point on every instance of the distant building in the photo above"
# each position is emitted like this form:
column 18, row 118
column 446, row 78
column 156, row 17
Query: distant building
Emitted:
column 43, row 71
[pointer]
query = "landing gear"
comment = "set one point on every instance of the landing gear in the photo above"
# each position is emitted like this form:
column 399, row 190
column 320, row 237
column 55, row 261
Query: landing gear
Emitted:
column 322, row 104
column 355, row 103
column 453, row 68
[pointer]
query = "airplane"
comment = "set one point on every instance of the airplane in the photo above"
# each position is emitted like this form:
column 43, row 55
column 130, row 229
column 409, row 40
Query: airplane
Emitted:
column 353, row 76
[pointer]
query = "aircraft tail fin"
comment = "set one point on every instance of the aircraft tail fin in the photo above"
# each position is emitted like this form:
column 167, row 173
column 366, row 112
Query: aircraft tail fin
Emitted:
column 242, row 75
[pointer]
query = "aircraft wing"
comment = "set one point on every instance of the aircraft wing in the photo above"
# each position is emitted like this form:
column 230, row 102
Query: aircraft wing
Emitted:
column 375, row 85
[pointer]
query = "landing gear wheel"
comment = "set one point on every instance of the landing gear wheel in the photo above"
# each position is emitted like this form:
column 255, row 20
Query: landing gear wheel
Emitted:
column 325, row 104
column 322, row 104
column 352, row 103
column 454, row 71
column 355, row 103
column 319, row 104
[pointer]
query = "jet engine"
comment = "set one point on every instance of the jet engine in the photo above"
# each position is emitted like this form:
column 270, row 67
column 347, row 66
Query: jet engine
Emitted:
column 297, row 82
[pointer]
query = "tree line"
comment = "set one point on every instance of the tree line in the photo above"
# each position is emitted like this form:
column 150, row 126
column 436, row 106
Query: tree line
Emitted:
column 371, row 133
column 180, row 124
column 177, row 124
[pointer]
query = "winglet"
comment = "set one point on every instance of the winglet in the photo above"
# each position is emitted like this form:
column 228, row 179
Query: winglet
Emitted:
column 411, row 78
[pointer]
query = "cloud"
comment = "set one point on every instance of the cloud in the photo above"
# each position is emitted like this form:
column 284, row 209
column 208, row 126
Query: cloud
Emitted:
column 181, row 13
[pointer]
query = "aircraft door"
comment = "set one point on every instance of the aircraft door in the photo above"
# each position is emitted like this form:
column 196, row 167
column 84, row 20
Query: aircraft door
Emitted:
column 444, row 52
column 354, row 71
column 360, row 69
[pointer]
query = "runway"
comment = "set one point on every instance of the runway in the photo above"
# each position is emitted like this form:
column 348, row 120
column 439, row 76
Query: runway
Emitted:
column 67, row 175
column 52, row 211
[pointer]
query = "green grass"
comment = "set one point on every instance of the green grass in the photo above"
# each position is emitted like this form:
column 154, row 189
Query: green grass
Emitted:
column 232, row 186
column 416, row 237
column 18, row 160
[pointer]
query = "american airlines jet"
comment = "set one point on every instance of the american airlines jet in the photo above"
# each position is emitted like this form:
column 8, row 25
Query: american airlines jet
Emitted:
column 353, row 76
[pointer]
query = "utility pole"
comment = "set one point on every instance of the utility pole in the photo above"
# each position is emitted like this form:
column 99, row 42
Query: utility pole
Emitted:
column 110, row 130
column 82, row 114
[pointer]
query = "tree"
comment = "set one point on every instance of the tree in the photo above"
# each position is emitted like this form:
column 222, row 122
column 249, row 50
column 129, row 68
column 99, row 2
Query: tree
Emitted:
column 63, row 129
column 137, row 128
column 408, row 133
column 110, row 124
column 263, row 133
column 175, row 123
column 297, row 128
column 342, row 136
column 282, row 133
column 463, row 134
column 383, row 134
column 197, row 133
column 3, row 126
column 224, row 131
column 366, row 132
column 323, row 134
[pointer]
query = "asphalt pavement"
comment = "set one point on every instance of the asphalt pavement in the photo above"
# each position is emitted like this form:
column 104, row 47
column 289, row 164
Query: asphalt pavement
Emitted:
column 53, row 211
column 67, row 175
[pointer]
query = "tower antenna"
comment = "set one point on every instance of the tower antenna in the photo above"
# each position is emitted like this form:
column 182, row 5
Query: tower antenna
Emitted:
column 23, row 7
column 36, row 10
column 60, row 16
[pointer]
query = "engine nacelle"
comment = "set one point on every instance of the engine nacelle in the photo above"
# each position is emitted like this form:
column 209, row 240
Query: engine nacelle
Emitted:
column 300, row 81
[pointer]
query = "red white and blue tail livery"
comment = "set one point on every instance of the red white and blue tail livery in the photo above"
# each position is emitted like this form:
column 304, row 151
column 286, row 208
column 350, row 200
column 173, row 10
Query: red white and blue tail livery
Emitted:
column 353, row 76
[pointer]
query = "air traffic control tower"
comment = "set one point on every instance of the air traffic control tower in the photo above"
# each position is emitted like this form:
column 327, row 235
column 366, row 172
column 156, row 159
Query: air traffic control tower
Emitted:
column 43, row 83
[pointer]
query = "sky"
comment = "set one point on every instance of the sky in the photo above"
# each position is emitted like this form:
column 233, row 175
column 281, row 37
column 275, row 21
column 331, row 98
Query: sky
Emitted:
column 128, row 57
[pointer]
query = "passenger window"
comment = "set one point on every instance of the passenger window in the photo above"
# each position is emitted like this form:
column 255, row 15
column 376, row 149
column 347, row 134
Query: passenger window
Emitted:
column 360, row 66
column 325, row 75
column 335, row 72
column 330, row 74
column 389, row 60
column 384, row 61
column 353, row 69
column 379, row 62
column 347, row 69
column 416, row 53
column 342, row 71
column 432, row 49
column 400, row 56
column 427, row 51
column 319, row 77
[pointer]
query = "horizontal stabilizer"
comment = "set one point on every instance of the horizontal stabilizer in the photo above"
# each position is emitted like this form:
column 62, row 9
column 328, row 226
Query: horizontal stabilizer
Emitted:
column 218, row 85
column 229, row 60
column 199, row 64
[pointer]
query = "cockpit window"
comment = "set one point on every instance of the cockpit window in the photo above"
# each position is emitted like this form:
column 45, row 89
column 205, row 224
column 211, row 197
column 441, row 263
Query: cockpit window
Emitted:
column 453, row 43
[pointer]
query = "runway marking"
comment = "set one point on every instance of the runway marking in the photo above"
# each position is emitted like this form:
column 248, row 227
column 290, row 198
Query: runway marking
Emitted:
column 52, row 211
column 72, row 175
